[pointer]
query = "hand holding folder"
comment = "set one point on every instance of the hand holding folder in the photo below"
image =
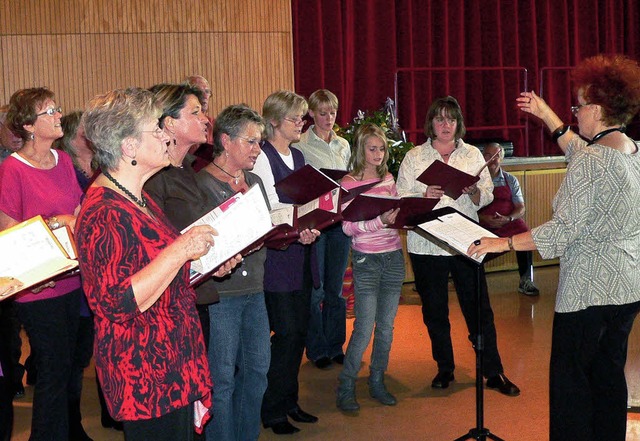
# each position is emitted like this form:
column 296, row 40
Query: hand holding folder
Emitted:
column 450, row 179
column 413, row 210
column 31, row 254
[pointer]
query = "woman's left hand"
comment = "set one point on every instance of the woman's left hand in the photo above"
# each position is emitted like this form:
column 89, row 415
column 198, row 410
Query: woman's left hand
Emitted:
column 308, row 236
column 488, row 245
column 470, row 190
column 228, row 266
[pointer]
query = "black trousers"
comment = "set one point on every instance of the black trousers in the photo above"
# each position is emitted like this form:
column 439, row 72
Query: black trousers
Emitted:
column 52, row 325
column 174, row 426
column 6, row 383
column 289, row 321
column 432, row 278
column 588, row 388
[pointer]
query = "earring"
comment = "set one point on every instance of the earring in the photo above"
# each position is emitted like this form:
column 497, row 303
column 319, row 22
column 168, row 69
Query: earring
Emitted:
column 32, row 136
column 134, row 162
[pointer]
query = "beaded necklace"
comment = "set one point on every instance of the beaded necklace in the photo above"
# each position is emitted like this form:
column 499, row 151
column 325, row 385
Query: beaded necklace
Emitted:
column 141, row 203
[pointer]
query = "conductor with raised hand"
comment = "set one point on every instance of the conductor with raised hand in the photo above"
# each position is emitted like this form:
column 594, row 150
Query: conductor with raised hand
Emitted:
column 595, row 231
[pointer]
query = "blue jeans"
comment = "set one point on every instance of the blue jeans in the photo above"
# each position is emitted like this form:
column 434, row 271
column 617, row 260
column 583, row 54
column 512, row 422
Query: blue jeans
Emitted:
column 239, row 356
column 377, row 282
column 327, row 321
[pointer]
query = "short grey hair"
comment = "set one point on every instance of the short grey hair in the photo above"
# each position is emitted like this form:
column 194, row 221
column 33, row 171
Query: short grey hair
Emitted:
column 233, row 120
column 112, row 117
column 278, row 105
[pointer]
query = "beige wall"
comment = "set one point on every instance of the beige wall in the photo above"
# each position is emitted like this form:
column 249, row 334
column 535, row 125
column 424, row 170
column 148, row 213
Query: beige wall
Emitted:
column 79, row 48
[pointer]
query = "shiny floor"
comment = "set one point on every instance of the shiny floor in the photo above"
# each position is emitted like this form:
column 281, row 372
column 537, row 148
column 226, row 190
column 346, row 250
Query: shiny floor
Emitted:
column 423, row 413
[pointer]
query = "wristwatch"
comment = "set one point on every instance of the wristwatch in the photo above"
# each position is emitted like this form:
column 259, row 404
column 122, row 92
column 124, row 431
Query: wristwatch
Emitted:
column 53, row 223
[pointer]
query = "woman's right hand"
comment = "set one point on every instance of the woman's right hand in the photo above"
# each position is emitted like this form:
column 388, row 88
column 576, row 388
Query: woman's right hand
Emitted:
column 389, row 217
column 531, row 103
column 196, row 242
column 434, row 192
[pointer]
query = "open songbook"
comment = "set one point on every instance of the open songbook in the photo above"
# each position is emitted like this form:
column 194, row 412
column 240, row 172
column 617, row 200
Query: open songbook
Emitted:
column 32, row 254
column 316, row 205
column 450, row 179
column 413, row 210
column 242, row 222
column 455, row 229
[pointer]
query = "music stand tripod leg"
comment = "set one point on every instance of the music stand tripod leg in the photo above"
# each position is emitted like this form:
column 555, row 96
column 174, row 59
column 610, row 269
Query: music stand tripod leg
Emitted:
column 479, row 432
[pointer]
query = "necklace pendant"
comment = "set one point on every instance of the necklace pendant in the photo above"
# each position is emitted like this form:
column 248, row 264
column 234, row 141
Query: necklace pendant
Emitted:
column 236, row 180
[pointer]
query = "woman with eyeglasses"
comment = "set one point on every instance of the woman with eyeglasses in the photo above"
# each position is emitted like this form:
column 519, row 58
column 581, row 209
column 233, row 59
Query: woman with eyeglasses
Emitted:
column 287, row 279
column 150, row 354
column 38, row 180
column 595, row 231
column 432, row 263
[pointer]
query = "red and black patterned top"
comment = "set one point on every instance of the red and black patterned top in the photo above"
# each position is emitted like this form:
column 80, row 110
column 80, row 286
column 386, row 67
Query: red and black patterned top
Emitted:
column 149, row 363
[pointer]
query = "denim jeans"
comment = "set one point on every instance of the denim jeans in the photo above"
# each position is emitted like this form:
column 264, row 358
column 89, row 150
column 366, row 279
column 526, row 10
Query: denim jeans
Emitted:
column 52, row 325
column 239, row 356
column 377, row 280
column 327, row 321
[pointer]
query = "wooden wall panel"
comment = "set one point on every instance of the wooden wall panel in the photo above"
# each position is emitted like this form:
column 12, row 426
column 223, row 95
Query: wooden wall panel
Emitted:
column 79, row 48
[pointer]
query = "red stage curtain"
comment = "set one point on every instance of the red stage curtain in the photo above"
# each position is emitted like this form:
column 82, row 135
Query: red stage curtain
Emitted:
column 355, row 48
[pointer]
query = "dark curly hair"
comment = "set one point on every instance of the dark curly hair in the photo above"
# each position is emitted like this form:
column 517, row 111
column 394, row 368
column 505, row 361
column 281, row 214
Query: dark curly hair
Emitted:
column 613, row 83
column 23, row 108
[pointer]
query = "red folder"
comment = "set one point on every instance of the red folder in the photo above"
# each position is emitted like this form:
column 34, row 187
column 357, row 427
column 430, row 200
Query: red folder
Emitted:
column 413, row 210
column 452, row 180
column 334, row 174
column 306, row 184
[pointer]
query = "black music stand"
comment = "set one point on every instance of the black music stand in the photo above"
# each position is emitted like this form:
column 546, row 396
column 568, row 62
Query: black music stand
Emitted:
column 479, row 432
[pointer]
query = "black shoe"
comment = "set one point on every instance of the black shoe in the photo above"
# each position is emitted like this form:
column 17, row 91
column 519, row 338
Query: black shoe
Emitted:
column 18, row 391
column 442, row 380
column 282, row 428
column 503, row 385
column 322, row 363
column 339, row 359
column 300, row 416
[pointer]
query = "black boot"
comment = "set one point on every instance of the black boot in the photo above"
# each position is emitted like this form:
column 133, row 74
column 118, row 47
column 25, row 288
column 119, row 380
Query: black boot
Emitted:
column 76, row 431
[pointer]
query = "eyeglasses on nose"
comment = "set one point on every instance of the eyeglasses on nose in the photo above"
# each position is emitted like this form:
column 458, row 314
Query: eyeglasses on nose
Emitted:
column 51, row 111
column 297, row 121
column 576, row 109
column 157, row 132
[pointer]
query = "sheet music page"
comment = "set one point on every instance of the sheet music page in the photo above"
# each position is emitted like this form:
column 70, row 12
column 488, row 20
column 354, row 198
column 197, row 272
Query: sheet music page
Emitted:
column 327, row 202
column 457, row 231
column 31, row 254
column 66, row 240
column 283, row 215
column 241, row 224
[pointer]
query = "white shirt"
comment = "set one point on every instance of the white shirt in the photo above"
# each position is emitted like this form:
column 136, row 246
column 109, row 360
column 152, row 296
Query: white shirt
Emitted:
column 334, row 155
column 465, row 157
column 262, row 168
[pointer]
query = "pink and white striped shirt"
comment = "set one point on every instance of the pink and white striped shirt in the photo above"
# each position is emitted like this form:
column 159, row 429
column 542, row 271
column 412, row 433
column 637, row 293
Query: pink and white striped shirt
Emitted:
column 372, row 236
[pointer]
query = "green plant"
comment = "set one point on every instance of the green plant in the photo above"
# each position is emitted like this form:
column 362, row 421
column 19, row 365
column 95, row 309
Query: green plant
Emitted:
column 384, row 118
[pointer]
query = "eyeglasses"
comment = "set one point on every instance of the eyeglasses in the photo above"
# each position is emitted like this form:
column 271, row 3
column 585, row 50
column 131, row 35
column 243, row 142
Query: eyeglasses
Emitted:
column 297, row 121
column 442, row 120
column 51, row 111
column 253, row 142
column 157, row 132
column 576, row 109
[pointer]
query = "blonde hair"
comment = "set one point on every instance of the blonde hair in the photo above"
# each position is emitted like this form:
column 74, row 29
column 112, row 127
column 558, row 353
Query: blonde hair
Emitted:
column 322, row 97
column 358, row 161
column 278, row 105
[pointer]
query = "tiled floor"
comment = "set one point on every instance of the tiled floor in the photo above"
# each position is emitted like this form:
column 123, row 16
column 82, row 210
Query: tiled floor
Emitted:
column 422, row 413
